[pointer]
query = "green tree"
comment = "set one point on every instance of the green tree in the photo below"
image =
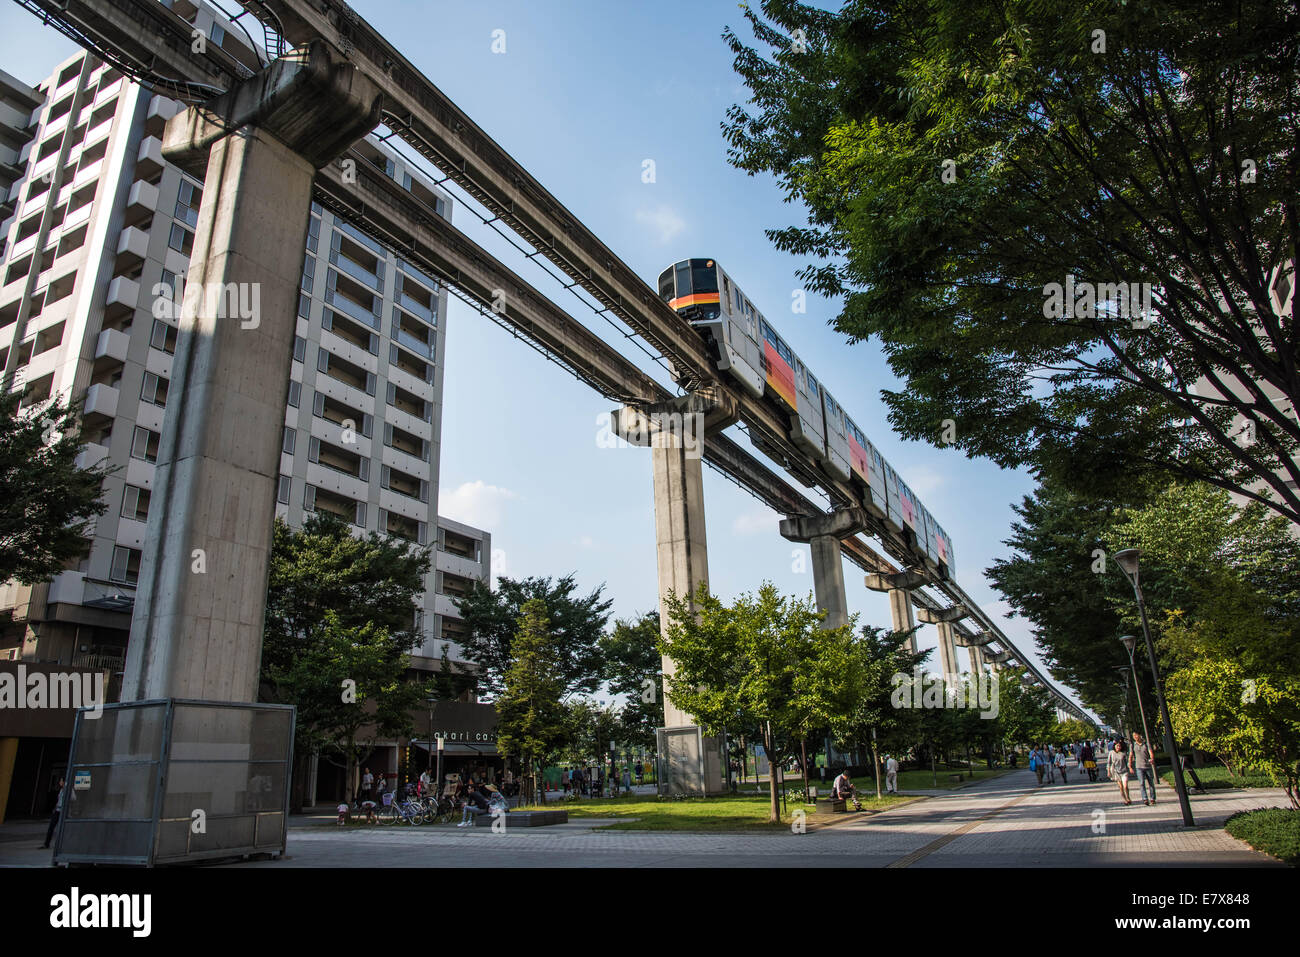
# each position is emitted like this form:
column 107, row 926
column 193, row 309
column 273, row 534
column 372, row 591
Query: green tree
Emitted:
column 634, row 669
column 878, row 657
column 1248, row 722
column 326, row 584
column 1025, row 712
column 350, row 688
column 576, row 622
column 1061, row 579
column 533, row 723
column 46, row 502
column 963, row 162
column 323, row 568
column 756, row 663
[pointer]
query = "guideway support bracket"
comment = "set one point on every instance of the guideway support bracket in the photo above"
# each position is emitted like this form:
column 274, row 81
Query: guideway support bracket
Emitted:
column 824, row 533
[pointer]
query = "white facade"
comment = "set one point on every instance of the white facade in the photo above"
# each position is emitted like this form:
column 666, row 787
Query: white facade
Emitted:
column 98, row 225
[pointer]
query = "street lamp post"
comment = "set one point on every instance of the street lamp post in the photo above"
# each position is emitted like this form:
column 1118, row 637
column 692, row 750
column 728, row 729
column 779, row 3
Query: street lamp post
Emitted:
column 1128, row 564
column 1130, row 642
column 1127, row 714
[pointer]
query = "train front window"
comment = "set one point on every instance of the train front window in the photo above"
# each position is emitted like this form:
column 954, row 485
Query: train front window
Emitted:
column 666, row 285
column 683, row 279
column 704, row 275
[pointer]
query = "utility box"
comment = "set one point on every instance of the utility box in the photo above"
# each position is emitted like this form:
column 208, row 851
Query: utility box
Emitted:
column 170, row 781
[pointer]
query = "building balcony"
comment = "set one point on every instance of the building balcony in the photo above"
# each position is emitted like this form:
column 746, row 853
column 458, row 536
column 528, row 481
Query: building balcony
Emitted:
column 149, row 160
column 112, row 345
column 78, row 216
column 123, row 296
column 132, row 247
column 108, row 92
column 101, row 403
column 100, row 132
column 67, row 588
column 91, row 455
column 466, row 568
column 87, row 175
column 141, row 201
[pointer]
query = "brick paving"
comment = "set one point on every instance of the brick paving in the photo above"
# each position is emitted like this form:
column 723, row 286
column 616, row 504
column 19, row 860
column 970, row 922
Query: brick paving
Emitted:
column 1007, row 822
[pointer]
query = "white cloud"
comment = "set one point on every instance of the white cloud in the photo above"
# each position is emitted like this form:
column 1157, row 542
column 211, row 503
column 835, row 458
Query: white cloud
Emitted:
column 754, row 522
column 585, row 541
column 924, row 481
column 662, row 220
column 475, row 503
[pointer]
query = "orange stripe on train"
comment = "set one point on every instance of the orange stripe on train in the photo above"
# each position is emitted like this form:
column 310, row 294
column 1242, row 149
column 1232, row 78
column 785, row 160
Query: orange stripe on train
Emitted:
column 695, row 299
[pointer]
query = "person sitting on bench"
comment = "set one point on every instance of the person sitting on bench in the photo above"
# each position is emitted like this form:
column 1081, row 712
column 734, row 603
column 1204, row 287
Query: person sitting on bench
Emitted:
column 842, row 790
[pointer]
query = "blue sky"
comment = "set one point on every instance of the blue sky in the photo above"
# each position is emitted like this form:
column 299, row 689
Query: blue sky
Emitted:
column 584, row 93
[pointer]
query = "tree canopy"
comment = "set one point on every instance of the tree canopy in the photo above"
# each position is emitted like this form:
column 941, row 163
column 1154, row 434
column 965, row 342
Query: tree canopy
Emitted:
column 46, row 502
column 968, row 166
column 577, row 623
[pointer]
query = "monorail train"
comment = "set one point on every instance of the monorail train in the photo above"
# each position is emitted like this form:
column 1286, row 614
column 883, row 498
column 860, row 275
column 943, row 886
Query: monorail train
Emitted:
column 749, row 349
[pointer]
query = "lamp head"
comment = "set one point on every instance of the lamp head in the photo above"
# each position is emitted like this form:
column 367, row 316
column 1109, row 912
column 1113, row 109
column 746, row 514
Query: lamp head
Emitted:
column 1130, row 642
column 1128, row 560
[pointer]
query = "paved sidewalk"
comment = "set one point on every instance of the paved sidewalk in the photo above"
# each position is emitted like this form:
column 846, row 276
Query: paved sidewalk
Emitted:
column 1006, row 822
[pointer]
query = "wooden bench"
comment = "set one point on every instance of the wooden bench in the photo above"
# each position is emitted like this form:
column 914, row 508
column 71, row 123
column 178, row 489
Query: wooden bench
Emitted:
column 525, row 818
column 956, row 778
column 838, row 807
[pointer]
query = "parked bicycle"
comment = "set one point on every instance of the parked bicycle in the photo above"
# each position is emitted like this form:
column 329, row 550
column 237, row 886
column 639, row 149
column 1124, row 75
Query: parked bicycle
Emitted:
column 404, row 810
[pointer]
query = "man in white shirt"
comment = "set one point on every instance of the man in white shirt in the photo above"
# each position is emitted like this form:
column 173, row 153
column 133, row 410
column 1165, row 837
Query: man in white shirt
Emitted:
column 891, row 774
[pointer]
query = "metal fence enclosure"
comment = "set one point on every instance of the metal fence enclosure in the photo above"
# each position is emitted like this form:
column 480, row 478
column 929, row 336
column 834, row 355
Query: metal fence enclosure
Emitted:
column 170, row 781
column 689, row 763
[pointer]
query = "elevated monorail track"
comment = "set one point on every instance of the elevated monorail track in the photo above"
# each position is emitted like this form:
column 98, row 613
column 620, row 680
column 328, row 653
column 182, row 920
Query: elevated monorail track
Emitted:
column 149, row 41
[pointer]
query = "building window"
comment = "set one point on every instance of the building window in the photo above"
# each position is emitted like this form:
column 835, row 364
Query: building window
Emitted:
column 154, row 390
column 187, row 203
column 144, row 444
column 295, row 393
column 163, row 337
column 181, row 240
column 290, row 439
column 135, row 503
column 286, row 485
column 299, row 348
column 126, row 565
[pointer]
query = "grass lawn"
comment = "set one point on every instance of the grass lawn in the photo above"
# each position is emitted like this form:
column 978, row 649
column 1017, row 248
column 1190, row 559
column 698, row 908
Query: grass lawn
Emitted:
column 1272, row 830
column 1217, row 777
column 921, row 780
column 731, row 813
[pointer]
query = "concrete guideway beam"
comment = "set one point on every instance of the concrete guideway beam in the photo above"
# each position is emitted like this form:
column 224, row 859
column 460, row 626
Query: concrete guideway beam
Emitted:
column 823, row 533
column 198, row 619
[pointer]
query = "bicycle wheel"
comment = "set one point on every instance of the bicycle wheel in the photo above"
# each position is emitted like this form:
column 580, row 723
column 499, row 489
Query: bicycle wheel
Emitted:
column 387, row 814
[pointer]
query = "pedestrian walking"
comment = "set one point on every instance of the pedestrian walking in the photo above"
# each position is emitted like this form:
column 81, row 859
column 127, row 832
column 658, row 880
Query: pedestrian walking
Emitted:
column 1088, row 761
column 1117, row 769
column 1036, row 764
column 627, row 780
column 891, row 774
column 57, row 812
column 1142, row 763
column 367, row 782
column 1060, row 765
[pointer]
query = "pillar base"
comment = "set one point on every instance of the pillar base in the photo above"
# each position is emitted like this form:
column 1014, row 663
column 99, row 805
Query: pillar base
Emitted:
column 691, row 763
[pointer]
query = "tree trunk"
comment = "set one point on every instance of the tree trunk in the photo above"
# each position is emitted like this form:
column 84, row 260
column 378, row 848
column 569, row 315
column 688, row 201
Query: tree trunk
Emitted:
column 774, row 816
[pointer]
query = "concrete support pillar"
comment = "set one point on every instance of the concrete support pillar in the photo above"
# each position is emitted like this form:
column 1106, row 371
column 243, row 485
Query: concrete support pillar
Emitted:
column 8, row 757
column 947, row 649
column 976, row 659
column 197, row 627
column 899, row 586
column 900, row 611
column 680, row 540
column 676, row 430
column 824, row 534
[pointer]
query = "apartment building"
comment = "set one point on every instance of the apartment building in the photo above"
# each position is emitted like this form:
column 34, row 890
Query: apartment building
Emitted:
column 97, row 227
